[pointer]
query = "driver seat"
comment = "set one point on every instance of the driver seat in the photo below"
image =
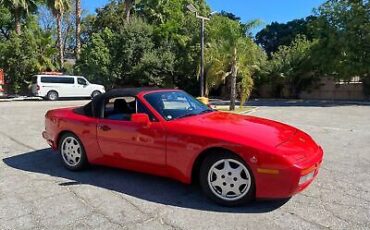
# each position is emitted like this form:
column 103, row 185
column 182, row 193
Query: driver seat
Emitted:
column 121, row 111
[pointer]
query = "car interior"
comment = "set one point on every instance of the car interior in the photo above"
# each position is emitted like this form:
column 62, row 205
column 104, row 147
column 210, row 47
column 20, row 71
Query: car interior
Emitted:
column 121, row 108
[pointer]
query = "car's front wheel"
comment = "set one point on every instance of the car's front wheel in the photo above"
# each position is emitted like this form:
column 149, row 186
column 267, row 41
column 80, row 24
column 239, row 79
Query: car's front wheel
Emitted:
column 72, row 152
column 226, row 179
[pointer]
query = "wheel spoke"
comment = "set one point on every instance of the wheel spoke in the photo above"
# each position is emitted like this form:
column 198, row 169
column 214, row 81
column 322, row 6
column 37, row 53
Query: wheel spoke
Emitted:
column 224, row 191
column 237, row 171
column 218, row 172
column 236, row 190
column 227, row 166
column 218, row 182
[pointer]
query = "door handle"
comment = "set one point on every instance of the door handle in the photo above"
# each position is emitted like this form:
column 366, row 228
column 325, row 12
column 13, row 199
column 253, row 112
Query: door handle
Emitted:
column 104, row 127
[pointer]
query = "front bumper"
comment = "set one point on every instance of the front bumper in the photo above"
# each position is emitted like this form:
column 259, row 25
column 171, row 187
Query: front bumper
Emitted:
column 286, row 182
column 48, row 139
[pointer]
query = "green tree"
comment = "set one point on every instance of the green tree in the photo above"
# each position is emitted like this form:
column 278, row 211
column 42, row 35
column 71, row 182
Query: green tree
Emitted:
column 26, row 54
column 172, row 22
column 129, row 57
column 234, row 55
column 5, row 23
column 96, row 59
column 58, row 8
column 292, row 66
column 343, row 30
column 129, row 4
column 278, row 34
column 19, row 9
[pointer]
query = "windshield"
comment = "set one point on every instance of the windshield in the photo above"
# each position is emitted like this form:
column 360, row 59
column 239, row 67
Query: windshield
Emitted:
column 176, row 104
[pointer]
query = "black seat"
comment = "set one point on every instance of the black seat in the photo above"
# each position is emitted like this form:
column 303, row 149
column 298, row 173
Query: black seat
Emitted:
column 120, row 106
column 121, row 111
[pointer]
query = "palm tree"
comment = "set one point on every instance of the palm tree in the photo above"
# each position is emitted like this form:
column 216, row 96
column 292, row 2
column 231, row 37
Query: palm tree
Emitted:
column 78, row 28
column 19, row 8
column 58, row 7
column 233, row 56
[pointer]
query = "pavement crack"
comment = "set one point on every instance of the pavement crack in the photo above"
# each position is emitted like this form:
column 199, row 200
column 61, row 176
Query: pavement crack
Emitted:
column 309, row 221
column 17, row 141
column 94, row 209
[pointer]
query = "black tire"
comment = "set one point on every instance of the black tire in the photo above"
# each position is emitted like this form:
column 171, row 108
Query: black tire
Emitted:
column 79, row 155
column 52, row 95
column 95, row 93
column 213, row 159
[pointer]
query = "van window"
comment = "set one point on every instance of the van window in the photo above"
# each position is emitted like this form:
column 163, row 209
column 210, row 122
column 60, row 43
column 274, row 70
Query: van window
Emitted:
column 64, row 80
column 81, row 81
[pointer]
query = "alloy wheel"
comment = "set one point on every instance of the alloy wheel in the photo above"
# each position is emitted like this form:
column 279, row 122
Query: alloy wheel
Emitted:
column 229, row 179
column 71, row 151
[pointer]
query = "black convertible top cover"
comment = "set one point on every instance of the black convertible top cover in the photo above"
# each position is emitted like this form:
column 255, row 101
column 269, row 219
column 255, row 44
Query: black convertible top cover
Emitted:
column 93, row 108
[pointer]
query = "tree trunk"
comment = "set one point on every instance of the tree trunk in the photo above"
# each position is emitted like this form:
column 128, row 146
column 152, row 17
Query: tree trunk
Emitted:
column 234, row 73
column 78, row 28
column 17, row 20
column 60, row 41
column 206, row 89
column 128, row 5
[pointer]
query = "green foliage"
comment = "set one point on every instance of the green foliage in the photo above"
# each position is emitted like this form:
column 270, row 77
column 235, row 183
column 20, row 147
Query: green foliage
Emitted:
column 343, row 30
column 58, row 7
column 336, row 43
column 292, row 65
column 96, row 59
column 5, row 23
column 282, row 34
column 157, row 42
column 173, row 38
column 19, row 10
column 26, row 54
column 232, row 53
column 129, row 57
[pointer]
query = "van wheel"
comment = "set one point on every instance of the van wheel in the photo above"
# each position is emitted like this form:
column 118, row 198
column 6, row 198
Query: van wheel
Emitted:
column 95, row 93
column 52, row 95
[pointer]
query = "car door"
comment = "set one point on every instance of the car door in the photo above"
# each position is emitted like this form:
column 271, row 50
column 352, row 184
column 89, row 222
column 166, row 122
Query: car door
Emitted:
column 67, row 85
column 83, row 89
column 129, row 141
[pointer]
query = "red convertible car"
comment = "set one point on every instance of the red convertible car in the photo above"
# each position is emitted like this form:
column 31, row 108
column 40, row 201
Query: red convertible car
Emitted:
column 167, row 132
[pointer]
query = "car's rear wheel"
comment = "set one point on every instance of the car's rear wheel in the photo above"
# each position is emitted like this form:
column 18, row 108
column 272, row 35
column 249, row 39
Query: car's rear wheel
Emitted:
column 226, row 179
column 72, row 152
column 52, row 95
column 95, row 93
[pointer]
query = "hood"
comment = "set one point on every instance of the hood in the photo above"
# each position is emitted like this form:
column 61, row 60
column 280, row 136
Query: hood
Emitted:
column 97, row 86
column 241, row 128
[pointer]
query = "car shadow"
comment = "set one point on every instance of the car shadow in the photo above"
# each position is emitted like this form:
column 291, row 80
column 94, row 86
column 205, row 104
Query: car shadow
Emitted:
column 143, row 186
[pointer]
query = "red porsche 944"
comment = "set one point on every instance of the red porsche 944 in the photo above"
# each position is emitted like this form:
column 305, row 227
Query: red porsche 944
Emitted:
column 169, row 133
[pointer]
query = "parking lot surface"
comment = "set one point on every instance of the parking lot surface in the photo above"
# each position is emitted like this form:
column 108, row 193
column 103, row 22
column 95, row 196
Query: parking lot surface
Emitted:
column 37, row 192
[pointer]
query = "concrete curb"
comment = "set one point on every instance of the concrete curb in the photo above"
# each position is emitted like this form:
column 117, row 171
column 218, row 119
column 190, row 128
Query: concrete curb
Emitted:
column 21, row 99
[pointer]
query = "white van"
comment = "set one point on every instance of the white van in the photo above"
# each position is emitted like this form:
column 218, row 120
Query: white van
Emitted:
column 52, row 87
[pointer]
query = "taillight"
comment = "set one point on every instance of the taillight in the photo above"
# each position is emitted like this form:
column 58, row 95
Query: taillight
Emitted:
column 38, row 87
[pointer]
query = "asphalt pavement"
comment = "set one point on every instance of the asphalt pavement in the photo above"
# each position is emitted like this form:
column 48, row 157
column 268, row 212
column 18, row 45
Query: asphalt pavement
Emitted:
column 37, row 192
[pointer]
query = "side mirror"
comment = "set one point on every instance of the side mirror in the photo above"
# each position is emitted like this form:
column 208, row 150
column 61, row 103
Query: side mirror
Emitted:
column 140, row 118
